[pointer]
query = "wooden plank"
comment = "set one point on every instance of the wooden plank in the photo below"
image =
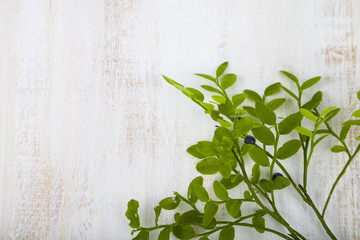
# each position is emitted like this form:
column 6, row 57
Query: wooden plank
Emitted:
column 87, row 123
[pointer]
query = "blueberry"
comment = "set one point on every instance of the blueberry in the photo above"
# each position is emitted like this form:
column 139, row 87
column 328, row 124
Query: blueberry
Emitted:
column 276, row 175
column 239, row 118
column 249, row 140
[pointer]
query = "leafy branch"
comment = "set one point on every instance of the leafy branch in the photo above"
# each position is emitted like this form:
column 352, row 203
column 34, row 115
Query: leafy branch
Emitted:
column 226, row 157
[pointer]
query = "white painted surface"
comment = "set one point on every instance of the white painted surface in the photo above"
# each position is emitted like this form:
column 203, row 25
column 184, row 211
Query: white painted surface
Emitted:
column 87, row 123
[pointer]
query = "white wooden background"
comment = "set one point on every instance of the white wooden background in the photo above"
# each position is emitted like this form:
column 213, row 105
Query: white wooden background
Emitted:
column 87, row 123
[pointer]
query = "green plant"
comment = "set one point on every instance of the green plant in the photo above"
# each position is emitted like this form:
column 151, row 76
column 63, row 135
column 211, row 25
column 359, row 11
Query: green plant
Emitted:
column 226, row 156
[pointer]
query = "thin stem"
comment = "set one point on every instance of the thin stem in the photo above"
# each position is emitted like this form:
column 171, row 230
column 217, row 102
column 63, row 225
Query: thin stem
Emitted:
column 276, row 215
column 311, row 203
column 188, row 202
column 338, row 179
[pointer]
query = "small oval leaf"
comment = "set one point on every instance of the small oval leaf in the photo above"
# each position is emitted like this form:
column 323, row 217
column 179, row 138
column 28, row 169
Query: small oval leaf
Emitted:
column 337, row 149
column 220, row 190
column 259, row 156
column 208, row 166
column 264, row 135
column 228, row 80
column 309, row 83
column 254, row 96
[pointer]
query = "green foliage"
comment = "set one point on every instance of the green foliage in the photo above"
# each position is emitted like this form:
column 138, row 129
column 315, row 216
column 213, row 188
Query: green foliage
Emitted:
column 220, row 190
column 252, row 95
column 227, row 157
column 309, row 83
column 290, row 123
column 259, row 156
column 275, row 103
column 289, row 149
column 264, row 135
column 272, row 89
column 132, row 213
column 227, row 234
column 210, row 209
column 233, row 207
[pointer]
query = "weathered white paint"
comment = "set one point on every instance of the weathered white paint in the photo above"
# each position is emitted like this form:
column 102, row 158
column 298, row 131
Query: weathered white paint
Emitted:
column 87, row 123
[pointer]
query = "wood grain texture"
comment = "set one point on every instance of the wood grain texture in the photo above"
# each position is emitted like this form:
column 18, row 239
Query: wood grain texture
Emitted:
column 87, row 123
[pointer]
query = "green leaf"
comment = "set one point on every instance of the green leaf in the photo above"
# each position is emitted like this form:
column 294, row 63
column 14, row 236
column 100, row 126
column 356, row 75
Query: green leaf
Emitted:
column 228, row 80
column 245, row 148
column 357, row 138
column 337, row 149
column 326, row 110
column 243, row 126
column 289, row 149
column 304, row 131
column 191, row 192
column 191, row 217
column 206, row 76
column 259, row 223
column 309, row 83
column 210, row 209
column 320, row 139
column 290, row 93
column 197, row 94
column 280, row 183
column 255, row 174
column 344, row 131
column 183, row 232
column 272, row 89
column 233, row 207
column 254, row 96
column 157, row 210
column 322, row 131
column 220, row 190
column 201, row 193
column 265, row 185
column 265, row 114
column 264, row 135
column 203, row 238
column 238, row 99
column 227, row 234
column 231, row 182
column 352, row 122
column 179, row 87
column 208, row 166
column 259, row 156
column 358, row 95
column 224, row 123
column 290, row 123
column 227, row 109
column 225, row 170
column 247, row 195
column 177, row 217
column 132, row 213
column 309, row 115
column 219, row 99
column 164, row 234
column 250, row 110
column 291, row 77
column 275, row 103
column 169, row 203
column 143, row 235
column 221, row 69
column 314, row 102
column 330, row 115
column 212, row 89
column 192, row 150
column 206, row 148
column 356, row 113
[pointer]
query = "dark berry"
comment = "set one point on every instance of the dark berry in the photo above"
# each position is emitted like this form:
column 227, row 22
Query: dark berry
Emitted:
column 239, row 118
column 276, row 175
column 249, row 140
